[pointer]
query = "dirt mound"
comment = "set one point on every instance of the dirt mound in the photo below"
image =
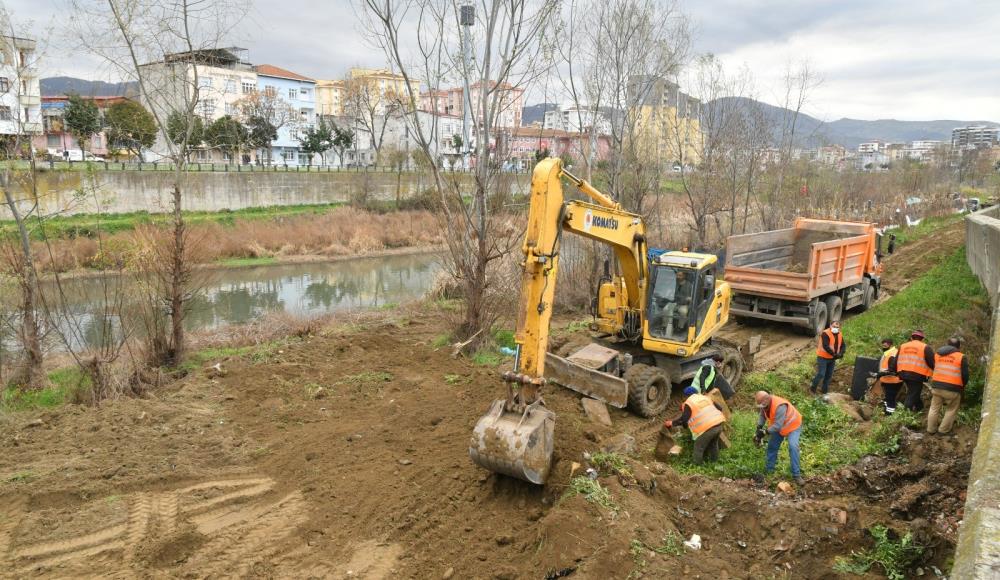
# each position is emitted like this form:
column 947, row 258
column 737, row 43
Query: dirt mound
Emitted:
column 915, row 258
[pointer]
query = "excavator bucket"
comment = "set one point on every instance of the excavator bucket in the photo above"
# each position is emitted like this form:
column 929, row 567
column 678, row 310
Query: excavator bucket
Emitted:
column 518, row 444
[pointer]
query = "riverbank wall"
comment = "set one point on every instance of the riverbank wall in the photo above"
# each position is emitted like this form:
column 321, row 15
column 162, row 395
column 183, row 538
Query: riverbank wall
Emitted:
column 977, row 554
column 113, row 192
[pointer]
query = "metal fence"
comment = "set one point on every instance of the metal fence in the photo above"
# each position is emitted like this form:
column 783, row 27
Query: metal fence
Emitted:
column 53, row 165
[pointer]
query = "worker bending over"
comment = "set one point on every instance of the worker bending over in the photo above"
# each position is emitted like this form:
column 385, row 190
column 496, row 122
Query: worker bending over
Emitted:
column 830, row 347
column 951, row 374
column 709, row 377
column 887, row 377
column 783, row 422
column 705, row 421
column 914, row 364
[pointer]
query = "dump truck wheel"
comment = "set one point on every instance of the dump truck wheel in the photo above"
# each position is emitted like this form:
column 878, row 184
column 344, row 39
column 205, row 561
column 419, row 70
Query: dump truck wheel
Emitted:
column 834, row 308
column 732, row 366
column 869, row 298
column 819, row 319
column 648, row 390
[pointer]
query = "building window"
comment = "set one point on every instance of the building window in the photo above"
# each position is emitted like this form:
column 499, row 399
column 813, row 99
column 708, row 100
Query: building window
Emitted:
column 231, row 109
column 293, row 94
column 288, row 155
column 204, row 82
column 270, row 90
column 52, row 141
column 207, row 108
column 248, row 87
column 304, row 94
column 4, row 84
column 230, row 86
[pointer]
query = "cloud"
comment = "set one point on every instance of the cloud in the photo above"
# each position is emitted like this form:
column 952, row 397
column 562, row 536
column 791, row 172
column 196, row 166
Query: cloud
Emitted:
column 916, row 59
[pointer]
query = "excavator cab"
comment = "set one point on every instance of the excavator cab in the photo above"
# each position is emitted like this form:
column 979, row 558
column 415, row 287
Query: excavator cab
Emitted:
column 685, row 304
column 672, row 302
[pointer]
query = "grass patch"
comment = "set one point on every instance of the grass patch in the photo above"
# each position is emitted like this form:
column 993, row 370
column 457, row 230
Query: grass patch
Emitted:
column 894, row 556
column 487, row 357
column 257, row 353
column 441, row 340
column 368, row 383
column 20, row 477
column 63, row 385
column 504, row 337
column 926, row 227
column 611, row 464
column 592, row 491
column 88, row 225
column 940, row 302
column 248, row 262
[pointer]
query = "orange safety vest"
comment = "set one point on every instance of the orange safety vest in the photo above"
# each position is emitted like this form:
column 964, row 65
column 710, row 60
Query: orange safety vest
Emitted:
column 704, row 415
column 793, row 420
column 835, row 340
column 911, row 358
column 948, row 369
column 883, row 366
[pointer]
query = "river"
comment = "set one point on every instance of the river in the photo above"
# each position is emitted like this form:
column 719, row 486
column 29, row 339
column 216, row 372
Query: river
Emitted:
column 239, row 295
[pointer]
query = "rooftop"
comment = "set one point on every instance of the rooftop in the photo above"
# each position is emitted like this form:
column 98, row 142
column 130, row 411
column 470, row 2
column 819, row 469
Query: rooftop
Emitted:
column 269, row 70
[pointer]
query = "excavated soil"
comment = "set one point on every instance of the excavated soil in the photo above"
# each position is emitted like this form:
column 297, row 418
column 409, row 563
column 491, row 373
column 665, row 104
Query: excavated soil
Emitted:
column 345, row 455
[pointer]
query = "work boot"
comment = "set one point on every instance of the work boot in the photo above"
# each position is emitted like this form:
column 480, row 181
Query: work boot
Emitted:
column 759, row 479
column 799, row 480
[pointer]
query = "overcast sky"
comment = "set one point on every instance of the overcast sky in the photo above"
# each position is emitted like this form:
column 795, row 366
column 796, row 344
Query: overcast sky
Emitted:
column 902, row 59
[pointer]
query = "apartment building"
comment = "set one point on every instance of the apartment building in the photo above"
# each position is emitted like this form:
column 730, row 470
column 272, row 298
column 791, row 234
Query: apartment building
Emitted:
column 56, row 141
column 20, row 96
column 509, row 100
column 974, row 137
column 330, row 98
column 222, row 77
column 297, row 95
column 668, row 120
column 574, row 119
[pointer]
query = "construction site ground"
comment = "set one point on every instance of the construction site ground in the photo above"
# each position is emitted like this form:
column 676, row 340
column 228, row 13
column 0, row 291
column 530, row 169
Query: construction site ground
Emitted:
column 345, row 455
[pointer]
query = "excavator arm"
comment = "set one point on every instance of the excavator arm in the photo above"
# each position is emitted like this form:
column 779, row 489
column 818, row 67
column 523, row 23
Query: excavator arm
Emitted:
column 515, row 436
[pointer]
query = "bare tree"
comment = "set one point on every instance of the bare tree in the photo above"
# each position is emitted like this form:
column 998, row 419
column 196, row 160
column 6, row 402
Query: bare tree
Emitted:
column 509, row 39
column 265, row 113
column 163, row 47
column 371, row 107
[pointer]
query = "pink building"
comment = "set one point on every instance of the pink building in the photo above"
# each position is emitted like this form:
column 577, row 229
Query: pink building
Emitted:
column 55, row 139
column 524, row 142
column 450, row 102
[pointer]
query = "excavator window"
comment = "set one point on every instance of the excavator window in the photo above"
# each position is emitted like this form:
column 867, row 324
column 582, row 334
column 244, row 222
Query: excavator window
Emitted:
column 671, row 301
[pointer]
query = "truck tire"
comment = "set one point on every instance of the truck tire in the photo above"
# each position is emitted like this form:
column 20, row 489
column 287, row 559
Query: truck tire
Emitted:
column 834, row 309
column 648, row 390
column 869, row 298
column 819, row 318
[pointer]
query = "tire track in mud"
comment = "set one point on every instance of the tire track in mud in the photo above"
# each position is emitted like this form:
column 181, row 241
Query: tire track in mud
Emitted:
column 237, row 524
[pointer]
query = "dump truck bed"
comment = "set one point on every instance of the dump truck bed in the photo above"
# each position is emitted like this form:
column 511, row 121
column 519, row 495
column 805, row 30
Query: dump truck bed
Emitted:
column 813, row 258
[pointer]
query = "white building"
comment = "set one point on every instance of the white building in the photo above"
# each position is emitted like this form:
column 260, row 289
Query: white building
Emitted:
column 439, row 130
column 870, row 147
column 223, row 77
column 575, row 119
column 20, row 95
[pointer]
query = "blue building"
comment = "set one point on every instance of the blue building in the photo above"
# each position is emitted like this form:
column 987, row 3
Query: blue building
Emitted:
column 299, row 94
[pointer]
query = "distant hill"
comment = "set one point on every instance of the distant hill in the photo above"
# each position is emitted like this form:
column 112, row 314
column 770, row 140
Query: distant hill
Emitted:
column 59, row 86
column 533, row 113
column 851, row 132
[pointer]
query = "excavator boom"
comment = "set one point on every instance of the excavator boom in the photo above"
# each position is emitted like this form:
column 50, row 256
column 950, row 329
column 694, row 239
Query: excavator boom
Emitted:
column 516, row 436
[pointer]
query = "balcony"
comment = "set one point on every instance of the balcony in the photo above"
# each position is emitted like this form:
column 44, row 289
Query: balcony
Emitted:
column 28, row 100
column 31, row 128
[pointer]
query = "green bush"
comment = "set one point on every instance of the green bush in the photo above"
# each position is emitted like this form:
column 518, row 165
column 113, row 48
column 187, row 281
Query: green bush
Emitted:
column 894, row 556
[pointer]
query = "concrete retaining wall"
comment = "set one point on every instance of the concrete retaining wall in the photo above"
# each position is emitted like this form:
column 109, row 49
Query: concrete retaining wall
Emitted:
column 978, row 551
column 131, row 191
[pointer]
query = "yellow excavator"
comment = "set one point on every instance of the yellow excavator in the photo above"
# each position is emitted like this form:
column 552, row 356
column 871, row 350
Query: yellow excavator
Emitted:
column 654, row 323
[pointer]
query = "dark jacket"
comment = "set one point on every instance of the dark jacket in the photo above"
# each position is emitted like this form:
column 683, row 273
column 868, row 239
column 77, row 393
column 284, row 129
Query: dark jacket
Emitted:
column 946, row 350
column 914, row 377
column 719, row 382
column 825, row 341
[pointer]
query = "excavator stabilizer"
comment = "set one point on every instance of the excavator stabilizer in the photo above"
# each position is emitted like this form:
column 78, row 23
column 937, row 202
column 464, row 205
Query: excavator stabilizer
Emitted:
column 518, row 444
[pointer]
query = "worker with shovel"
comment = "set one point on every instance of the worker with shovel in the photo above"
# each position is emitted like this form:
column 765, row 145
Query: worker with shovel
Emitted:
column 705, row 421
column 783, row 422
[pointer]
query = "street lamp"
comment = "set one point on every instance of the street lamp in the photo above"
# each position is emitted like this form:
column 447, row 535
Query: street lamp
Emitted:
column 467, row 18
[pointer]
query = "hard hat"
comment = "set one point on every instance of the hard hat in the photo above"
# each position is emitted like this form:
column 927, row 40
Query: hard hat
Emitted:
column 707, row 362
column 917, row 334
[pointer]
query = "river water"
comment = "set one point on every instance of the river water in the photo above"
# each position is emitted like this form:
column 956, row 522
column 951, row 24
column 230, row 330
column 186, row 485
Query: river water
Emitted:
column 239, row 295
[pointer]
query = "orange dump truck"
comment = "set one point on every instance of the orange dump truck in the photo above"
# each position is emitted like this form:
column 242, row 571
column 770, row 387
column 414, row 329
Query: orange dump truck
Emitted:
column 806, row 275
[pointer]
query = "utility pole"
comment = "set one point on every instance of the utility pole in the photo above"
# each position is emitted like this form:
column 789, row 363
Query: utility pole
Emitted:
column 467, row 18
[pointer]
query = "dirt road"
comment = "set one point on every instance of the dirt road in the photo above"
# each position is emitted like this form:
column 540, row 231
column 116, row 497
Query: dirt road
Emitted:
column 344, row 455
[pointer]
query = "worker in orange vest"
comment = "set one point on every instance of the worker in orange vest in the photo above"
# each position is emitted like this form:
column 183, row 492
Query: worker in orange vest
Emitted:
column 951, row 374
column 705, row 420
column 887, row 377
column 783, row 422
column 830, row 347
column 914, row 364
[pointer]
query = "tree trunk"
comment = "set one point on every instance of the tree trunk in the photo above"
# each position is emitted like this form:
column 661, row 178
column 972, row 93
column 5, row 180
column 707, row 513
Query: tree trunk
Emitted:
column 32, row 374
column 177, row 281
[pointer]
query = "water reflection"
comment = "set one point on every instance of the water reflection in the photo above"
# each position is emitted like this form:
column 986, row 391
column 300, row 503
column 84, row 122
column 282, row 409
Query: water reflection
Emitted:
column 239, row 295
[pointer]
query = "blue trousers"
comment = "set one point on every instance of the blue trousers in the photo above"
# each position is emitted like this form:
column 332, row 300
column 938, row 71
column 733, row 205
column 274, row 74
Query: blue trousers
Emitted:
column 824, row 372
column 774, row 444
